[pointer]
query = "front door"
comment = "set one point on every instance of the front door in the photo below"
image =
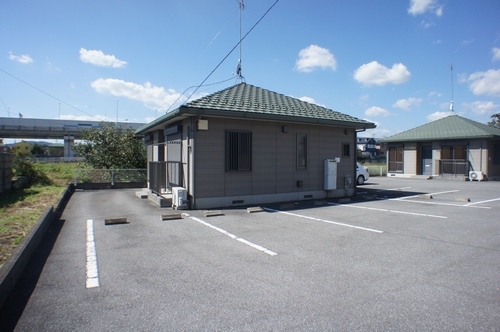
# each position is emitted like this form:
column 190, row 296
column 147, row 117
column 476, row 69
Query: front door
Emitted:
column 427, row 160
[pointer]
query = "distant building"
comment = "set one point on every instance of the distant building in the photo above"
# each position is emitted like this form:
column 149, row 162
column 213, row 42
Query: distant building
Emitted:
column 451, row 146
column 23, row 148
column 367, row 146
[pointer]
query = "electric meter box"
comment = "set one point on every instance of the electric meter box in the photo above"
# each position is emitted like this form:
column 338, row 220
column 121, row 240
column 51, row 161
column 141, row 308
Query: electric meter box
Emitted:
column 331, row 173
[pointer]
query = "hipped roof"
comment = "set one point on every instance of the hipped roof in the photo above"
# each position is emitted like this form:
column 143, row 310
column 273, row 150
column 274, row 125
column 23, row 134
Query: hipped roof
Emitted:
column 452, row 127
column 246, row 101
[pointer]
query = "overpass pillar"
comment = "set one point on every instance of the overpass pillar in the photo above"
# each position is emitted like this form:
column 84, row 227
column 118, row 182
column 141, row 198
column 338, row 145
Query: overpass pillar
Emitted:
column 68, row 141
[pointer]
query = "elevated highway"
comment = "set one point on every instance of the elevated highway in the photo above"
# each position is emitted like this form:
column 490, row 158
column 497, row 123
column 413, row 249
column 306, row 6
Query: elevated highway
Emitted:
column 49, row 129
column 69, row 130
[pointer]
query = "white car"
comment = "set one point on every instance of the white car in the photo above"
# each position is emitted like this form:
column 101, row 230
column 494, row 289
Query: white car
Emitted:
column 361, row 174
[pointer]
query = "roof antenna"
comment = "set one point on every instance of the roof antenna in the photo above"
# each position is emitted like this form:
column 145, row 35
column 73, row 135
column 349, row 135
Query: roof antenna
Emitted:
column 238, row 66
column 451, row 105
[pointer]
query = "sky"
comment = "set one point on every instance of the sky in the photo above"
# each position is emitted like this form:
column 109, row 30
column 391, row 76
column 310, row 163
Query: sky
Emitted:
column 388, row 62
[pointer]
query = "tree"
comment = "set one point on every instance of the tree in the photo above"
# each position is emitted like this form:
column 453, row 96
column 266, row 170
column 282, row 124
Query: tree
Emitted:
column 111, row 147
column 495, row 120
column 37, row 150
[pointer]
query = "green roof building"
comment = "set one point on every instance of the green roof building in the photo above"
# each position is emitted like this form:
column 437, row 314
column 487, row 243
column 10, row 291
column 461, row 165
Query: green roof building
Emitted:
column 451, row 146
column 247, row 145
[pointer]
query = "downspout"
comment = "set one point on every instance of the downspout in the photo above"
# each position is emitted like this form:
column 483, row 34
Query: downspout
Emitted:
column 355, row 180
column 191, row 142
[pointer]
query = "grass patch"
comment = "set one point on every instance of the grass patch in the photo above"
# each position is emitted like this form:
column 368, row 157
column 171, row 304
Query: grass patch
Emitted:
column 20, row 209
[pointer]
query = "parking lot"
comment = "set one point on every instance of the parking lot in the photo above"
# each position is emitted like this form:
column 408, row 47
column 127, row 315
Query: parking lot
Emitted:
column 402, row 254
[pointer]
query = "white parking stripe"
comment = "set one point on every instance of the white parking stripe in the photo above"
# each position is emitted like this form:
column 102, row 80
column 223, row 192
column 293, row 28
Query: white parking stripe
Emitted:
column 391, row 211
column 234, row 237
column 92, row 273
column 432, row 194
column 325, row 221
column 393, row 189
column 481, row 202
column 437, row 203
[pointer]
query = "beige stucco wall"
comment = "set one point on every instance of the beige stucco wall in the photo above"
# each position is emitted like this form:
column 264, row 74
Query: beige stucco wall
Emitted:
column 274, row 175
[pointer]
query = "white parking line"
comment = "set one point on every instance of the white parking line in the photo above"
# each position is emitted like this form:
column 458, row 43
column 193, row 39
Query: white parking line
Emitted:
column 92, row 273
column 432, row 194
column 437, row 203
column 393, row 189
column 325, row 221
column 234, row 237
column 390, row 211
column 481, row 202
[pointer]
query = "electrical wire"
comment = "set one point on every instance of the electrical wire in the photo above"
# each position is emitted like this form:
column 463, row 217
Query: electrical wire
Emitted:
column 194, row 86
column 48, row 94
column 235, row 46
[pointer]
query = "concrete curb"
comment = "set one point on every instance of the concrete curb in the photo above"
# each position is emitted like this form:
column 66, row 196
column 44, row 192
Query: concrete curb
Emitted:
column 14, row 267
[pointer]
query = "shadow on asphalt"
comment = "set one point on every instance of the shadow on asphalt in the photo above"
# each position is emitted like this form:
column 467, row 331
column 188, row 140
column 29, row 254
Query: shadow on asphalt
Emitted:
column 14, row 307
column 364, row 194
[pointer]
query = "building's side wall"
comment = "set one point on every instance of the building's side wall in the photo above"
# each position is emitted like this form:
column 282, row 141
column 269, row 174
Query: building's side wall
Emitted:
column 274, row 174
column 493, row 168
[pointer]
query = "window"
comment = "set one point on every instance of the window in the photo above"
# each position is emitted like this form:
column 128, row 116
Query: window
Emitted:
column 301, row 151
column 496, row 154
column 396, row 159
column 346, row 150
column 238, row 151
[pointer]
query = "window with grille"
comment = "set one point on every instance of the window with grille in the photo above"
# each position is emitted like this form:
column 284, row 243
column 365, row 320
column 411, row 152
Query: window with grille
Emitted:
column 238, row 151
column 346, row 150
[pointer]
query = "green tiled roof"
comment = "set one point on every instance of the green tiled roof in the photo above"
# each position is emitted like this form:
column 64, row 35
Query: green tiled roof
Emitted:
column 247, row 101
column 448, row 128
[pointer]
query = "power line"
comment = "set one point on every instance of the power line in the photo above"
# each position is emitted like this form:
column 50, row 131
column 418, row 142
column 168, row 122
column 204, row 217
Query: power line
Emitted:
column 194, row 86
column 235, row 46
column 48, row 94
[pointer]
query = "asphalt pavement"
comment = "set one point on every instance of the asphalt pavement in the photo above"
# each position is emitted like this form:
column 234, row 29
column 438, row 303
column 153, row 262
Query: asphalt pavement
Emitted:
column 402, row 255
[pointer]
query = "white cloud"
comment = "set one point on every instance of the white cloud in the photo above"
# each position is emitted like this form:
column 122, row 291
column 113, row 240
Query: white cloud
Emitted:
column 421, row 6
column 438, row 115
column 153, row 97
column 376, row 111
column 310, row 100
column 485, row 83
column 24, row 59
column 467, row 42
column 98, row 58
column 375, row 73
column 83, row 117
column 496, row 53
column 481, row 107
column 313, row 57
column 407, row 103
column 434, row 93
column 426, row 24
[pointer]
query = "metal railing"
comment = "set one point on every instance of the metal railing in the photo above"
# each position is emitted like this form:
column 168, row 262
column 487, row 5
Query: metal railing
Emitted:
column 163, row 175
column 111, row 176
column 454, row 167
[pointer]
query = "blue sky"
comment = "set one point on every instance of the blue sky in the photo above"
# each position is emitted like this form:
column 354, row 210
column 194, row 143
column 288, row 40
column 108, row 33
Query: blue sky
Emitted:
column 384, row 61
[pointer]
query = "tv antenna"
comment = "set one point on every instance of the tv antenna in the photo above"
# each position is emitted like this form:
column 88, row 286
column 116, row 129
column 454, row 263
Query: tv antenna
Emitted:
column 452, row 99
column 238, row 66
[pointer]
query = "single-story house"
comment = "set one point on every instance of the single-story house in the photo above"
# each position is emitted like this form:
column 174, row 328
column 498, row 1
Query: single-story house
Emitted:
column 451, row 146
column 246, row 145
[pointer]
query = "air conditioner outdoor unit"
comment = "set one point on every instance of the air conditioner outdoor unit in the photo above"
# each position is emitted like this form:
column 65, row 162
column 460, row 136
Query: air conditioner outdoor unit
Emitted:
column 476, row 175
column 179, row 198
